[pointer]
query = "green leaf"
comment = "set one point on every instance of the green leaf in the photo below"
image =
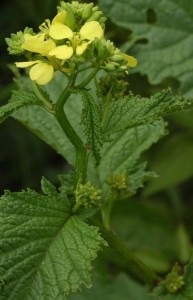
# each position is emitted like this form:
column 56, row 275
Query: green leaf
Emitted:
column 44, row 124
column 18, row 99
column 44, row 252
column 167, row 51
column 172, row 162
column 91, row 119
column 122, row 153
column 135, row 110
column 47, row 187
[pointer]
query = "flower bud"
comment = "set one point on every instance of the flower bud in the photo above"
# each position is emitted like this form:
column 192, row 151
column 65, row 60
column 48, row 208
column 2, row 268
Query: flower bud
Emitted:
column 87, row 11
column 102, row 51
column 109, row 67
column 87, row 195
column 174, row 281
column 116, row 57
column 15, row 42
column 95, row 16
column 70, row 18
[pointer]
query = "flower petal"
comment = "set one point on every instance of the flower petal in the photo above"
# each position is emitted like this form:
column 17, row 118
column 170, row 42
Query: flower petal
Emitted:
column 36, row 43
column 42, row 73
column 131, row 61
column 81, row 48
column 91, row 30
column 25, row 64
column 59, row 31
column 62, row 52
column 60, row 17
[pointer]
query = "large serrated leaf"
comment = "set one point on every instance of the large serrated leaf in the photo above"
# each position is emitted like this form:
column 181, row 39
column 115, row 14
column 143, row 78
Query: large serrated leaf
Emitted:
column 167, row 28
column 19, row 99
column 44, row 124
column 44, row 252
column 122, row 153
column 91, row 119
column 135, row 110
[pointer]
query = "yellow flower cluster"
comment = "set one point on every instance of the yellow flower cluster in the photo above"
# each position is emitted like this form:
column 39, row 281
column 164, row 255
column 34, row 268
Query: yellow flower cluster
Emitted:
column 57, row 40
column 74, row 36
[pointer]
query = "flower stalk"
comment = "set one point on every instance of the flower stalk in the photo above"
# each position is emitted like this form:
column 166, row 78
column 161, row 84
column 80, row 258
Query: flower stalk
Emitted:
column 81, row 152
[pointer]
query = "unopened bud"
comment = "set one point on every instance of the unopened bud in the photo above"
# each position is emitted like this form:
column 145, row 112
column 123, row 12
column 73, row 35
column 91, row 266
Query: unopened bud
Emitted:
column 70, row 18
column 87, row 11
column 109, row 67
column 116, row 57
column 95, row 16
column 174, row 281
column 15, row 42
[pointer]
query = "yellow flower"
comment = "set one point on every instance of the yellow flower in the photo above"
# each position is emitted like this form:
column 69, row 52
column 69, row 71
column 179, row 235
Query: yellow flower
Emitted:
column 78, row 41
column 44, row 27
column 35, row 43
column 41, row 72
column 131, row 61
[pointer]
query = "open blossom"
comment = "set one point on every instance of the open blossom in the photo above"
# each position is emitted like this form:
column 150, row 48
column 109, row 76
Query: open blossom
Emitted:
column 41, row 72
column 62, row 38
column 45, row 43
column 77, row 41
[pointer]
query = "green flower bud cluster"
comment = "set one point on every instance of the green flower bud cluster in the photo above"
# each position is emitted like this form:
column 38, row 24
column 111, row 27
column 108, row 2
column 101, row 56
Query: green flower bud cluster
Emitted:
column 174, row 281
column 79, row 13
column 87, row 195
column 118, row 182
column 113, row 59
column 14, row 43
column 112, row 84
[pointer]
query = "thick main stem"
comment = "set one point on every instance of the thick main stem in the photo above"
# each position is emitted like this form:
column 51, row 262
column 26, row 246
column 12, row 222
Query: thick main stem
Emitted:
column 131, row 262
column 81, row 153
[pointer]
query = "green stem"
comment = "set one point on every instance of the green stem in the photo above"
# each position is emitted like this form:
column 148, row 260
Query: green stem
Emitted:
column 81, row 153
column 42, row 97
column 106, row 213
column 134, row 265
column 88, row 79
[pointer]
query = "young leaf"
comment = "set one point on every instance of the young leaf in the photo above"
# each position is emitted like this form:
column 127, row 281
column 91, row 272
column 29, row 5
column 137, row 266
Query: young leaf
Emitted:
column 91, row 119
column 18, row 99
column 44, row 252
column 167, row 51
column 48, row 188
column 133, row 110
column 122, row 153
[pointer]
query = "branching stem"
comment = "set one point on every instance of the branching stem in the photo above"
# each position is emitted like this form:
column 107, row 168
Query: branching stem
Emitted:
column 81, row 153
